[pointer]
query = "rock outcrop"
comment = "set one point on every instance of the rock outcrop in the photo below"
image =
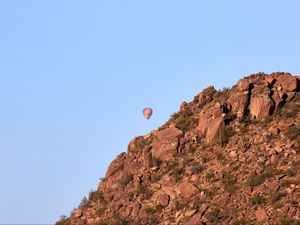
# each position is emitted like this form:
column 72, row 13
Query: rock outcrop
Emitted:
column 227, row 157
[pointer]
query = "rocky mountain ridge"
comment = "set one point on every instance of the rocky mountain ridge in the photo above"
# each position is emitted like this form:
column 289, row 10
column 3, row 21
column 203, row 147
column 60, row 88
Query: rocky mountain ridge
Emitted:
column 227, row 157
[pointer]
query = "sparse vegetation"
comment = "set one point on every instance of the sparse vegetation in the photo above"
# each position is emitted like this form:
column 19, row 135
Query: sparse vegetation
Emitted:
column 141, row 143
column 214, row 216
column 97, row 196
column 229, row 181
column 205, row 158
column 156, row 161
column 258, row 179
column 277, row 196
column 220, row 156
column 125, row 179
column 197, row 167
column 293, row 132
column 178, row 173
column 62, row 221
column 209, row 175
column 84, row 203
column 157, row 176
column 257, row 199
column 153, row 210
column 185, row 120
column 143, row 190
column 290, row 222
column 181, row 205
column 227, row 133
column 210, row 193
column 100, row 212
column 240, row 222
column 191, row 149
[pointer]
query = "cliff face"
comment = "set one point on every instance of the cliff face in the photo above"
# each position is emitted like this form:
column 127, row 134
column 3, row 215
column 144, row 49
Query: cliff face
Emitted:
column 227, row 157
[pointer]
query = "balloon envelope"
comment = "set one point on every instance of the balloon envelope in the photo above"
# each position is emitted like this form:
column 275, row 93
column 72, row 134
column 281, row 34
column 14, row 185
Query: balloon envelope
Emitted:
column 147, row 112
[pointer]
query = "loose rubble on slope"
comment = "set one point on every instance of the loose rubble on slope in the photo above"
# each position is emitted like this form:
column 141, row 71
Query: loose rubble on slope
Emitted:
column 227, row 157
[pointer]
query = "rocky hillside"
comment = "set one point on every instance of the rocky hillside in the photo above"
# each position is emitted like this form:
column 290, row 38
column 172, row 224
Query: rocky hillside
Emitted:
column 228, row 157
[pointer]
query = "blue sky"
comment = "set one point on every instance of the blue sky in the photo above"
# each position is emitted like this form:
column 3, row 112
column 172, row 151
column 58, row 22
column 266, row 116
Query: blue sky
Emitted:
column 75, row 76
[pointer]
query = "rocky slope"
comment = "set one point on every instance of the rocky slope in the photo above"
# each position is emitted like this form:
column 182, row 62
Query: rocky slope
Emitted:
column 227, row 157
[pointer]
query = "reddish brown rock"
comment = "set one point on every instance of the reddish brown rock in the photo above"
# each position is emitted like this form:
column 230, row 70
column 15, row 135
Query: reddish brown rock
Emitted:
column 163, row 200
column 77, row 213
column 115, row 165
column 261, row 106
column 206, row 96
column 238, row 102
column 215, row 130
column 187, row 189
column 288, row 82
column 261, row 215
column 195, row 220
column 165, row 145
column 147, row 158
column 243, row 85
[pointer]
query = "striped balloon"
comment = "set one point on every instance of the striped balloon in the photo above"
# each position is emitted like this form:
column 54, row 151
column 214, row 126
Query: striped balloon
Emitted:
column 147, row 113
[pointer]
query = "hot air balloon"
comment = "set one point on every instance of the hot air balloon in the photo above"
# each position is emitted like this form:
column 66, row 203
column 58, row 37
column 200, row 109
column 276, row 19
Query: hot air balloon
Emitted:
column 147, row 113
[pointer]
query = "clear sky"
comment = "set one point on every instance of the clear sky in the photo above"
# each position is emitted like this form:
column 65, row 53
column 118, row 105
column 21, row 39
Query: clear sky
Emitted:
column 75, row 76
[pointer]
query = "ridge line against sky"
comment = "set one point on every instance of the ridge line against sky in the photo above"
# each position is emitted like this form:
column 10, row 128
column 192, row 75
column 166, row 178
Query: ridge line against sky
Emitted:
column 75, row 76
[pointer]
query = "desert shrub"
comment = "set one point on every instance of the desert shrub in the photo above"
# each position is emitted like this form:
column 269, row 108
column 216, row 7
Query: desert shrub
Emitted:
column 210, row 193
column 240, row 222
column 214, row 216
column 205, row 158
column 227, row 133
column 143, row 190
column 100, row 212
column 157, row 161
column 141, row 143
column 229, row 181
column 277, row 196
column 191, row 149
column 84, row 203
column 102, row 223
column 220, row 156
column 185, row 120
column 293, row 132
column 118, row 220
column 97, row 196
column 181, row 205
column 229, row 117
column 289, row 222
column 178, row 173
column 62, row 221
column 103, row 179
column 197, row 167
column 126, row 179
column 157, row 176
column 153, row 210
column 257, row 199
column 209, row 175
column 258, row 179
column 171, row 165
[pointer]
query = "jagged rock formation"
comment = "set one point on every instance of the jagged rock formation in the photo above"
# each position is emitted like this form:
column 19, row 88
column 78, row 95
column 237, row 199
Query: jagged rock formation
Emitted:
column 227, row 157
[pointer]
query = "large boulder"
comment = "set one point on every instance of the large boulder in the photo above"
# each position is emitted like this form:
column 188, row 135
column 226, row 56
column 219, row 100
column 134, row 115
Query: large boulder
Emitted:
column 215, row 130
column 206, row 96
column 116, row 165
column 211, row 123
column 238, row 102
column 288, row 83
column 187, row 190
column 243, row 85
column 261, row 106
column 164, row 146
column 147, row 158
